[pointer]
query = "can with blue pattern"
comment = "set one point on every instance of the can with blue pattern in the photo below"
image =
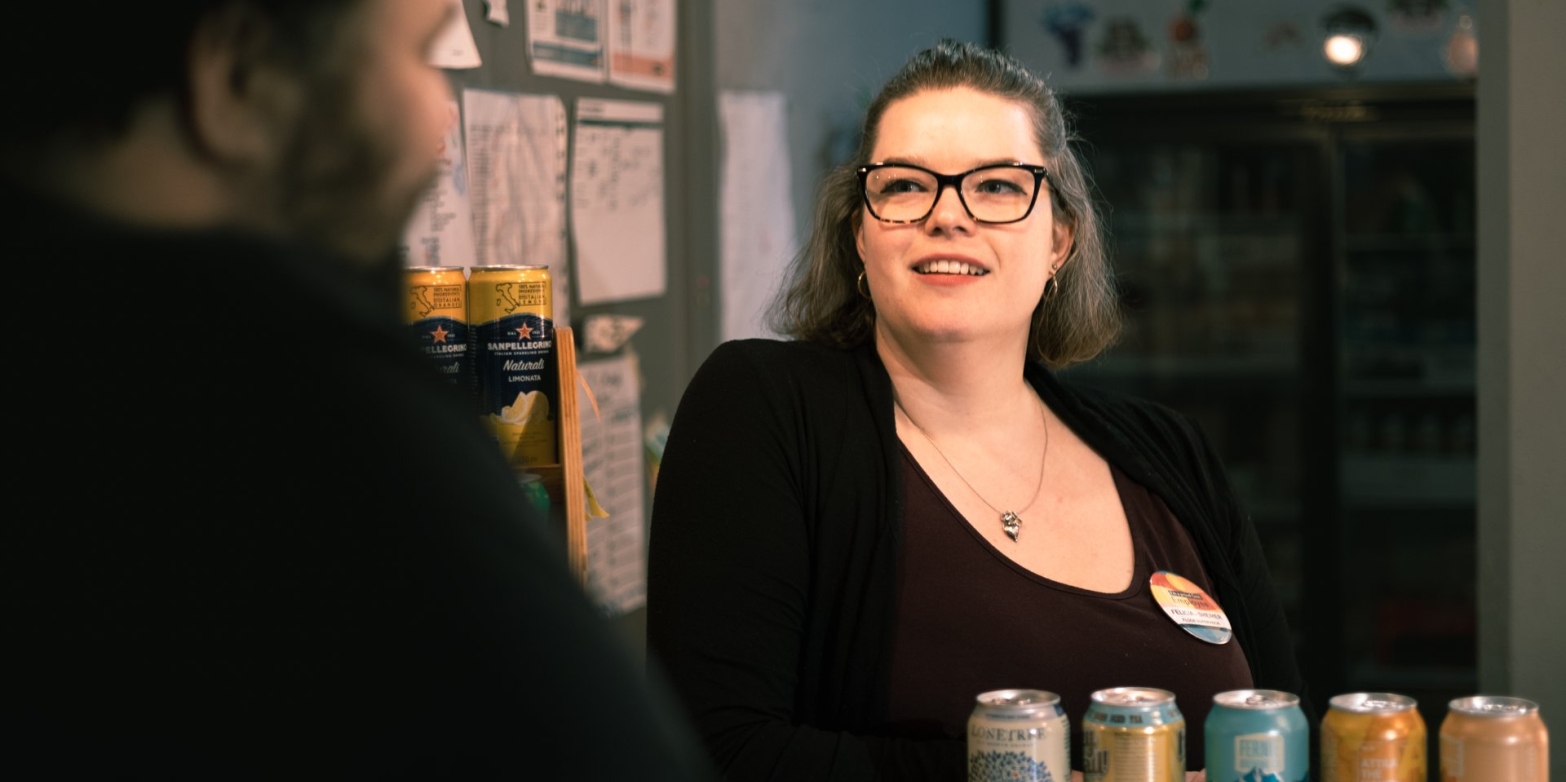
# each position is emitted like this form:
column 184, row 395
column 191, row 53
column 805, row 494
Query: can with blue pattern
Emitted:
column 1019, row 736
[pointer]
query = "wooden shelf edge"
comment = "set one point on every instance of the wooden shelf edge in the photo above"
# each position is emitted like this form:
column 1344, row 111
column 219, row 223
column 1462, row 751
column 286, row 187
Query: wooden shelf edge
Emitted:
column 565, row 481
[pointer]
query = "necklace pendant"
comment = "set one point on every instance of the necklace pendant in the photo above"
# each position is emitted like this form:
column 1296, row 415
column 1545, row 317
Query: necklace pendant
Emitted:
column 1012, row 523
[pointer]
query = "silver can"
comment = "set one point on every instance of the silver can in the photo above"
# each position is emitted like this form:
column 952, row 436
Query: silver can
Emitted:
column 1019, row 736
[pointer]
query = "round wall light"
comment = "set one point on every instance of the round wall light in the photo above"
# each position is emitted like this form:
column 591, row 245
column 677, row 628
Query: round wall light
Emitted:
column 1350, row 33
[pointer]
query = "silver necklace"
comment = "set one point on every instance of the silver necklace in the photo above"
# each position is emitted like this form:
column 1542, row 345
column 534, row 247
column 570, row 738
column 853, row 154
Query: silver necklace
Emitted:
column 1011, row 521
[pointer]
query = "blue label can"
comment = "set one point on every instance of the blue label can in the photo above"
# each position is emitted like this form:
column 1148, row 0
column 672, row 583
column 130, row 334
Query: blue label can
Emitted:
column 1257, row 736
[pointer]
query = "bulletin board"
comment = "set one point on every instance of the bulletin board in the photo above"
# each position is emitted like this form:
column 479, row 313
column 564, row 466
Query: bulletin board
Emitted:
column 634, row 113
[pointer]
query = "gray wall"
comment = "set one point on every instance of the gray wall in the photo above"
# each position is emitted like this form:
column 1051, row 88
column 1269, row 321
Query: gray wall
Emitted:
column 1522, row 357
column 828, row 58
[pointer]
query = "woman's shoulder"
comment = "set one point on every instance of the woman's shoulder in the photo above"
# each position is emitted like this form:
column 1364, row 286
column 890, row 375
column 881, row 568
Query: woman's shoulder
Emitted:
column 1126, row 417
column 776, row 359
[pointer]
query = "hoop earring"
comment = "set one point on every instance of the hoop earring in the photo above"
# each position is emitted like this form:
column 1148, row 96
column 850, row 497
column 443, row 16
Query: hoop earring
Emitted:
column 864, row 290
column 1052, row 285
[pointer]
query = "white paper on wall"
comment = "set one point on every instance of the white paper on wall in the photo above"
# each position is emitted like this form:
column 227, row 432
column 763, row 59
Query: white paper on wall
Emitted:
column 440, row 232
column 516, row 171
column 454, row 47
column 757, row 235
column 641, row 44
column 617, row 200
column 565, row 38
column 613, row 462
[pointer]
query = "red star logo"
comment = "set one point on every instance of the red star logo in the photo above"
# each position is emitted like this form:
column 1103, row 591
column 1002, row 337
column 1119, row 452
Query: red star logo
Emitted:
column 524, row 332
column 439, row 334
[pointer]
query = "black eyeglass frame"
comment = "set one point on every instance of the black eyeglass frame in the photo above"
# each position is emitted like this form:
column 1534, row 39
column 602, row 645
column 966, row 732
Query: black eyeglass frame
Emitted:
column 942, row 181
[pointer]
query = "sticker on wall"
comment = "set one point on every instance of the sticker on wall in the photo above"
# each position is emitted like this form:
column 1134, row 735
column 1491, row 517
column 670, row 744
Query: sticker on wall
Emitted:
column 1282, row 35
column 1461, row 52
column 1187, row 55
column 1124, row 49
column 1416, row 17
column 1068, row 22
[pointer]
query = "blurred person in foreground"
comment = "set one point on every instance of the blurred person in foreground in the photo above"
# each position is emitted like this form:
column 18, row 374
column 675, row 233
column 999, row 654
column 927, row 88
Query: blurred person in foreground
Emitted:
column 253, row 532
column 858, row 531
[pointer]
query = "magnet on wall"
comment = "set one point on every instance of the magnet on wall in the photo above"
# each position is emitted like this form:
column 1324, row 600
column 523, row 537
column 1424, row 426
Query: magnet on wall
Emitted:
column 1124, row 49
column 1415, row 17
column 1187, row 54
column 1461, row 52
column 1068, row 22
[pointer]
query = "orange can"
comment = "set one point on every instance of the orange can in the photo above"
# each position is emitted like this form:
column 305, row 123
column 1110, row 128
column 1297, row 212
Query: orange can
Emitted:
column 1488, row 738
column 1372, row 737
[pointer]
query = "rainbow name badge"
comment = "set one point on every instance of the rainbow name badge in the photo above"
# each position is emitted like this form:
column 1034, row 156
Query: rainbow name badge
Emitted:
column 1190, row 607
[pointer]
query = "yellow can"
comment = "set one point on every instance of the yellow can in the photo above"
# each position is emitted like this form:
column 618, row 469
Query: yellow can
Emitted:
column 1372, row 737
column 437, row 314
column 512, row 316
column 1133, row 734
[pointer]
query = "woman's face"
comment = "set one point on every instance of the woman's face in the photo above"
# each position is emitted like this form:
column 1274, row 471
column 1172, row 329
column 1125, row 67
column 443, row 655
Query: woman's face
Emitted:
column 949, row 278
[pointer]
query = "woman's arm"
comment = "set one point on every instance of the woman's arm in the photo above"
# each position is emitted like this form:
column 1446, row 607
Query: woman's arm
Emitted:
column 730, row 576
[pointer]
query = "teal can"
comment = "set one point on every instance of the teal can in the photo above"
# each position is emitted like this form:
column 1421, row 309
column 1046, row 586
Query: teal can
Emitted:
column 537, row 495
column 1257, row 736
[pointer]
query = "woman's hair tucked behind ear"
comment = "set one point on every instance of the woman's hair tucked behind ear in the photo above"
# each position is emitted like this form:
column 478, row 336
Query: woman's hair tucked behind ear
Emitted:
column 821, row 304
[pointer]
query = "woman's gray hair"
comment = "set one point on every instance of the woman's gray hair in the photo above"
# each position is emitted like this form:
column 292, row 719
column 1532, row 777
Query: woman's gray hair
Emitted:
column 1077, row 321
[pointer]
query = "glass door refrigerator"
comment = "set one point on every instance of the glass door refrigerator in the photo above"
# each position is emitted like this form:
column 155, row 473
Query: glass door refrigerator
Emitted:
column 1297, row 273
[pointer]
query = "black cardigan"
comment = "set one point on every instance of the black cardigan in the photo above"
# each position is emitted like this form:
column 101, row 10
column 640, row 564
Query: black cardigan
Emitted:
column 773, row 554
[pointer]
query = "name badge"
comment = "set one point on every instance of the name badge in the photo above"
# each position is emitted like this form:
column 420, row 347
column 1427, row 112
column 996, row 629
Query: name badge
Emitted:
column 1188, row 606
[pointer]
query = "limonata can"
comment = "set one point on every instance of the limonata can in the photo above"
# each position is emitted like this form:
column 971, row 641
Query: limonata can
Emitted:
column 1257, row 736
column 512, row 319
column 437, row 315
column 1019, row 736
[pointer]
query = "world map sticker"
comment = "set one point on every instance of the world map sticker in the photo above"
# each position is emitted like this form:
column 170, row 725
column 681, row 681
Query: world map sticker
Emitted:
column 1190, row 607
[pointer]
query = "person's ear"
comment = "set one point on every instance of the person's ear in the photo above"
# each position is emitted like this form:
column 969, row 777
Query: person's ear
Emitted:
column 1061, row 246
column 242, row 103
column 859, row 236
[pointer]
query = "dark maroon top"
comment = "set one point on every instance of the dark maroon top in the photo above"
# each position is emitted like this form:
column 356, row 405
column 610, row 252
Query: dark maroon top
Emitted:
column 970, row 620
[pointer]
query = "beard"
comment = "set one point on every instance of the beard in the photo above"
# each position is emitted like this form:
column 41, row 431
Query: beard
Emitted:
column 338, row 183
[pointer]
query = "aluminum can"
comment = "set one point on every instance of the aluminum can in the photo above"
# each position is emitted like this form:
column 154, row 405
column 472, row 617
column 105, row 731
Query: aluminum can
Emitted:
column 513, row 328
column 537, row 495
column 1494, row 739
column 1257, row 736
column 1133, row 734
column 437, row 315
column 1372, row 737
column 1019, row 736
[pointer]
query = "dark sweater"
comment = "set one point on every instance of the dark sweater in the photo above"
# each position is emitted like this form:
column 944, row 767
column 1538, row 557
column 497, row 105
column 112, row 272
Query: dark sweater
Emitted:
column 773, row 555
column 253, row 533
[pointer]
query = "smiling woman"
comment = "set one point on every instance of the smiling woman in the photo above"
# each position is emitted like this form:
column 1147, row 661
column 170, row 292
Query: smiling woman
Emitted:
column 857, row 532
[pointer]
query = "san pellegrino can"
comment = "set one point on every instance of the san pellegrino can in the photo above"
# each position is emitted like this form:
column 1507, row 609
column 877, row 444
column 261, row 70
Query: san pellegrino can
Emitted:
column 512, row 316
column 437, row 314
column 1494, row 739
column 1372, row 737
column 1257, row 736
column 1133, row 734
column 1019, row 736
